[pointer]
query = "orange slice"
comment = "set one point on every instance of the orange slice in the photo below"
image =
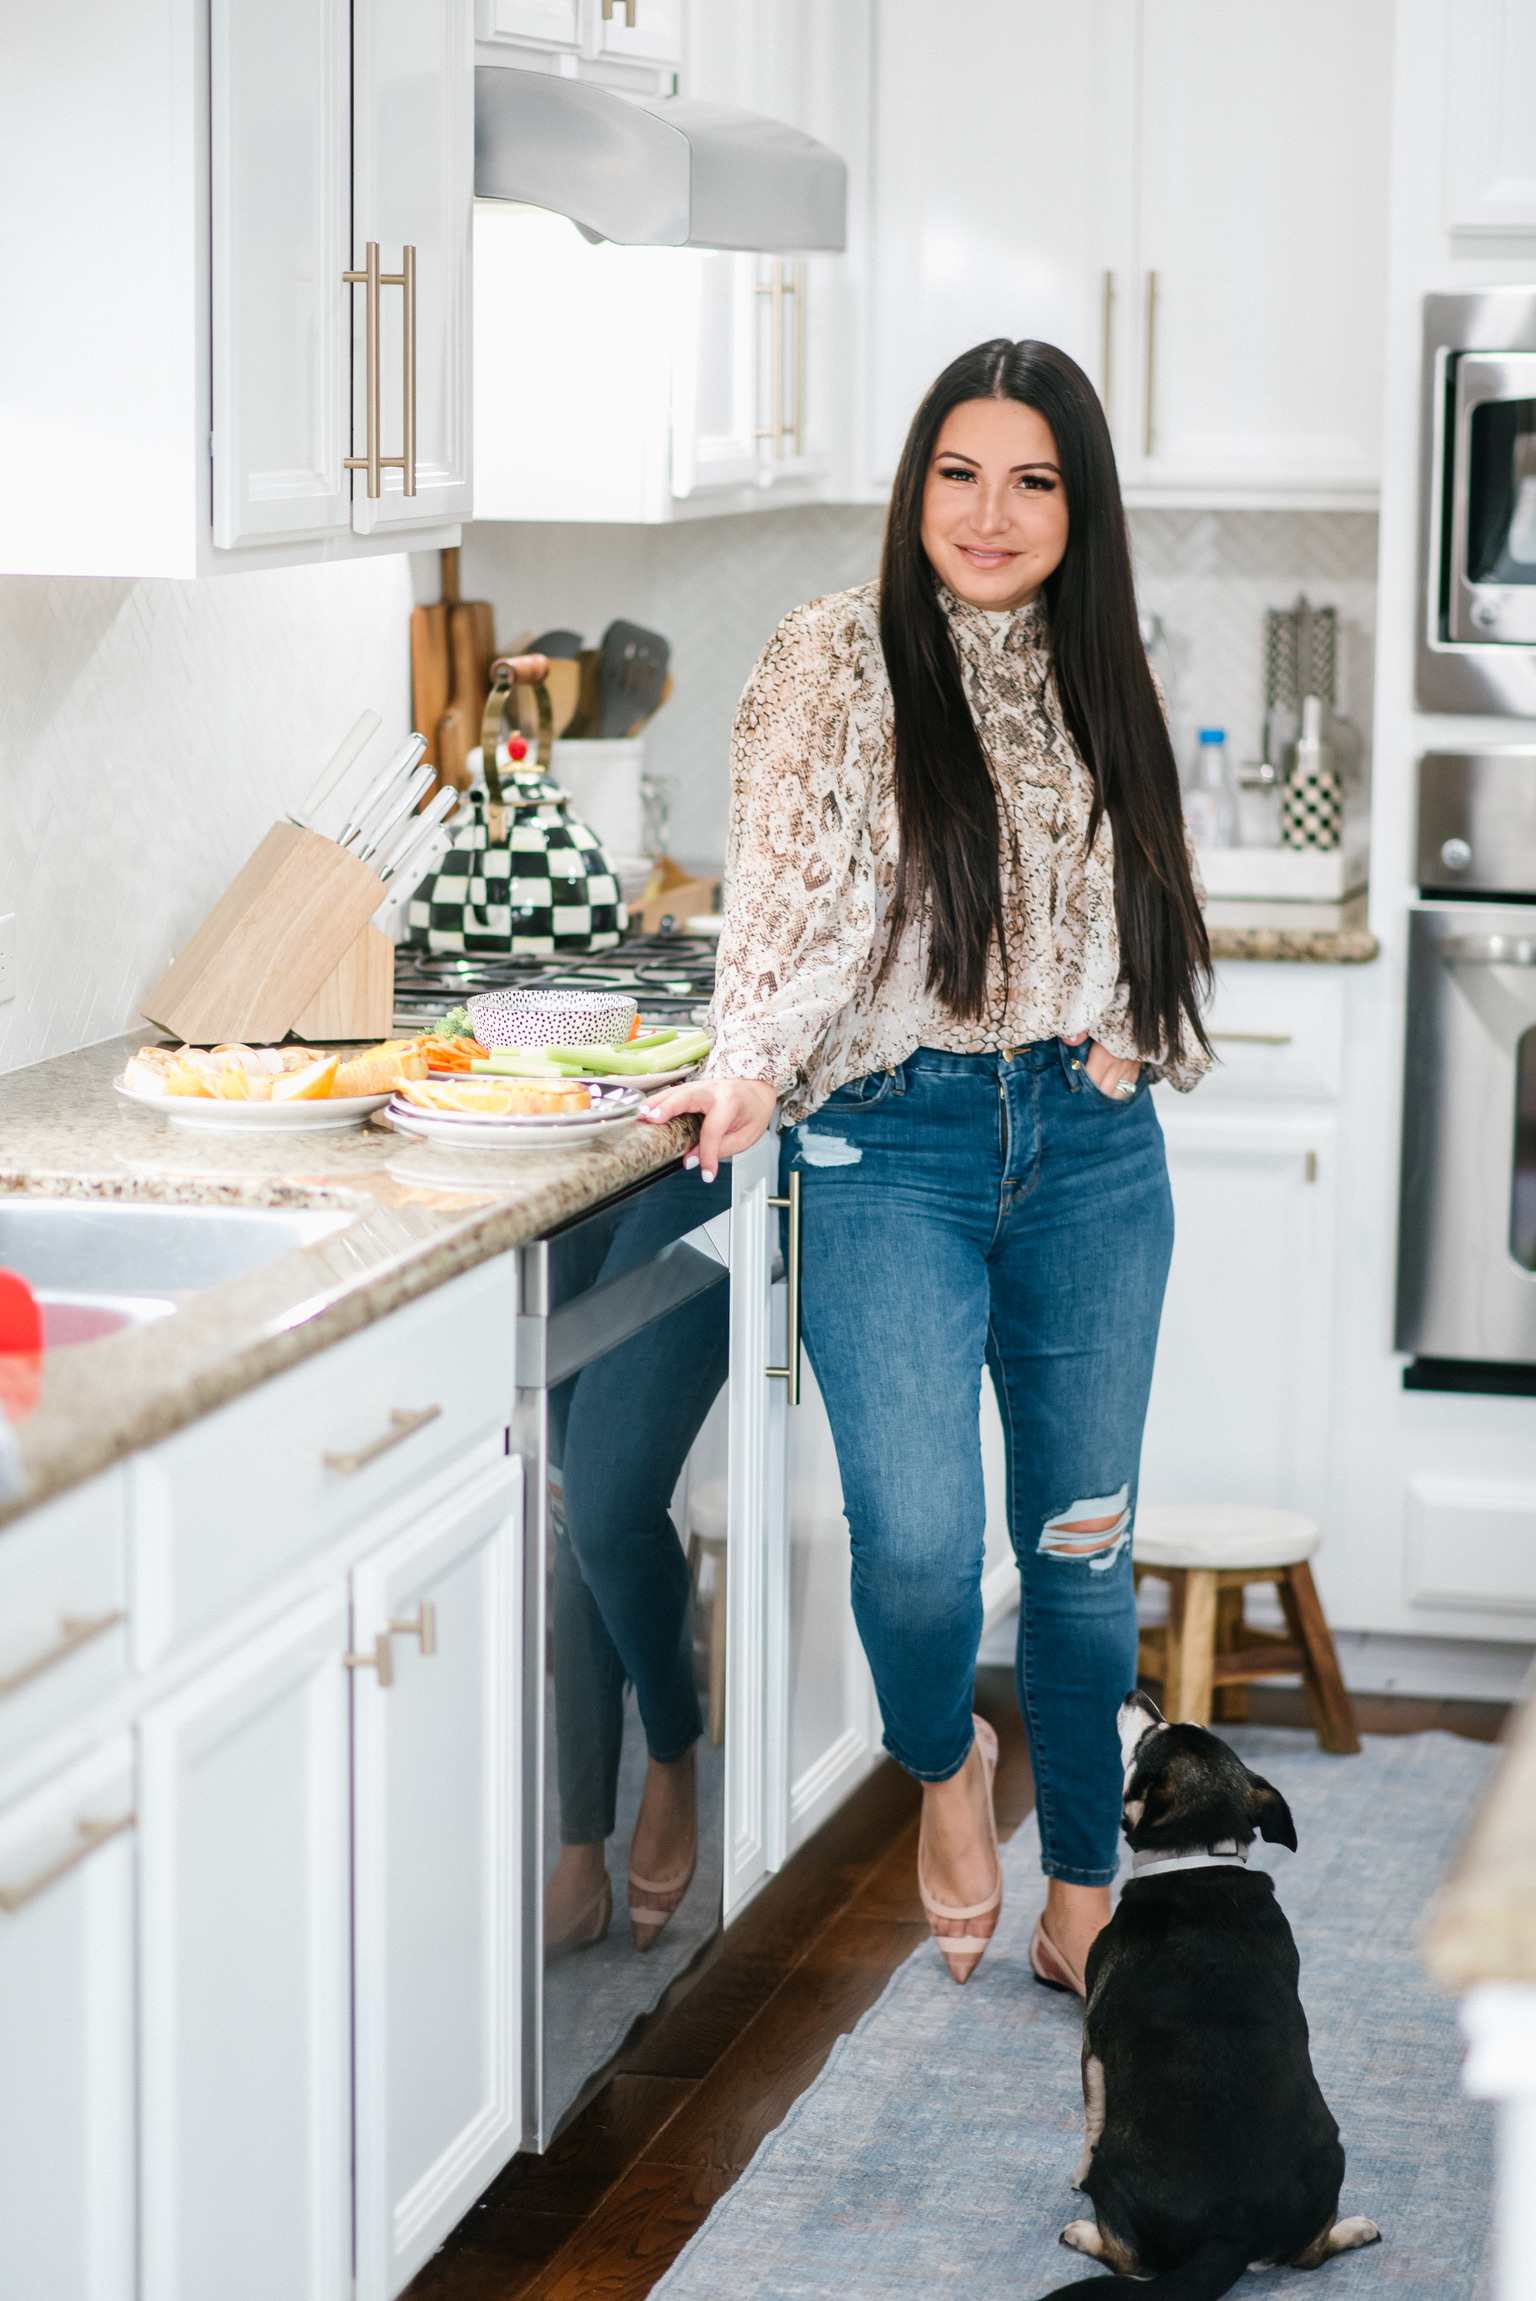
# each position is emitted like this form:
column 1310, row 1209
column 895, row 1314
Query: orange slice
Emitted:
column 308, row 1086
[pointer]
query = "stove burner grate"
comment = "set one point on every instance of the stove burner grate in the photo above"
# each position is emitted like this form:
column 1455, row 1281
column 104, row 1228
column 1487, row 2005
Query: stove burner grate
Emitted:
column 673, row 977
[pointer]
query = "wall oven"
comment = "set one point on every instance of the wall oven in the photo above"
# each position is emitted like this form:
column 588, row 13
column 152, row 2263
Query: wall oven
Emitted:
column 1477, row 539
column 1466, row 1271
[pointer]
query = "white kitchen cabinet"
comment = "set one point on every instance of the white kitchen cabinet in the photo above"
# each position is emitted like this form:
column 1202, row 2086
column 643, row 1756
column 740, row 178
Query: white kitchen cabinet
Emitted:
column 67, row 2218
column 1189, row 198
column 1251, row 320
column 437, row 1809
column 649, row 31
column 412, row 190
column 1490, row 159
column 178, row 361
column 245, row 1942
column 634, row 44
column 1240, row 1396
column 633, row 384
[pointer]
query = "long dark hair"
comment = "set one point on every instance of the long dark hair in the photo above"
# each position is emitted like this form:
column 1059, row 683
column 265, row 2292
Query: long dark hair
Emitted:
column 946, row 795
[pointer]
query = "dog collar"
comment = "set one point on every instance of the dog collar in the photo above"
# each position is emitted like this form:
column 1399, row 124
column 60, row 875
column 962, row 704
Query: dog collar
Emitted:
column 1228, row 1855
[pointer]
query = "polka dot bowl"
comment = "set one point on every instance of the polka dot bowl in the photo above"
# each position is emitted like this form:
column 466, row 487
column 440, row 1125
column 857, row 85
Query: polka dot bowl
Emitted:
column 552, row 1018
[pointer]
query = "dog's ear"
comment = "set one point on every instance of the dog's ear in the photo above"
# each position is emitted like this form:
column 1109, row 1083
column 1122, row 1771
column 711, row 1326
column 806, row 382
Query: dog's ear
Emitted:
column 1270, row 1812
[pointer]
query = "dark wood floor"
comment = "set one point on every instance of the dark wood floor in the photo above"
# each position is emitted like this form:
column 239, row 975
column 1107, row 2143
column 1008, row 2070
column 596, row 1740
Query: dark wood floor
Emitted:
column 606, row 2212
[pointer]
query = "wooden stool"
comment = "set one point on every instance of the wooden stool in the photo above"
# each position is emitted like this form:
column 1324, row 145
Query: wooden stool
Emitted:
column 707, row 1523
column 1207, row 1553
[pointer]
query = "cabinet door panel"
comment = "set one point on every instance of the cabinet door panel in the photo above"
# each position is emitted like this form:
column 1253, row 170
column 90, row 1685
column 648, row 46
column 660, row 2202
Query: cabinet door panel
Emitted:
column 1263, row 137
column 1012, row 242
column 437, row 1819
column 413, row 151
column 246, row 1953
column 66, row 2016
column 1240, row 1394
column 547, row 23
column 656, row 35
column 279, row 158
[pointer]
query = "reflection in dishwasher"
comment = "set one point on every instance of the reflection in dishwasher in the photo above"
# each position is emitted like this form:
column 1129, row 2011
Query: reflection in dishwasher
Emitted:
column 634, row 1788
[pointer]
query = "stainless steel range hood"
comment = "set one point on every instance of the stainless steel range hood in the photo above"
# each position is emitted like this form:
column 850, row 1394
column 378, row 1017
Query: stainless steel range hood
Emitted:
column 662, row 171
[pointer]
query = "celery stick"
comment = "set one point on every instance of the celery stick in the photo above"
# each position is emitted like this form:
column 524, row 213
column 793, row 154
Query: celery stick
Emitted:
column 511, row 1065
column 644, row 1040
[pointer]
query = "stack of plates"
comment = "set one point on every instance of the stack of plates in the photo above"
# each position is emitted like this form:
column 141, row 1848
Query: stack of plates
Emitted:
column 612, row 1114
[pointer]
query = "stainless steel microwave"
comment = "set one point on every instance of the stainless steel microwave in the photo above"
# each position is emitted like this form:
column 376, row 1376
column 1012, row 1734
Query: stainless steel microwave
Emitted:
column 1477, row 526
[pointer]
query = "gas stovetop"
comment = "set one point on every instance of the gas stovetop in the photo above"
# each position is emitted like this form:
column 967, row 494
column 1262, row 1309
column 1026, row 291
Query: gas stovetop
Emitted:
column 672, row 976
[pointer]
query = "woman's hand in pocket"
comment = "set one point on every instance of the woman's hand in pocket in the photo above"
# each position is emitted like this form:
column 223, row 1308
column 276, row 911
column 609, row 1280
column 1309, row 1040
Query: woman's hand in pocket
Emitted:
column 1107, row 1071
column 735, row 1113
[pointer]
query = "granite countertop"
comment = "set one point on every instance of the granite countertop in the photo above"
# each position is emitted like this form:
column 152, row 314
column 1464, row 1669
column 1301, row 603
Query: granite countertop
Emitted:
column 423, row 1215
column 1482, row 1924
column 1349, row 947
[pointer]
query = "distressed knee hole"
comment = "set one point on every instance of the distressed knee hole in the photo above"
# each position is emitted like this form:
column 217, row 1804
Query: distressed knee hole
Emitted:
column 827, row 1150
column 1097, row 1529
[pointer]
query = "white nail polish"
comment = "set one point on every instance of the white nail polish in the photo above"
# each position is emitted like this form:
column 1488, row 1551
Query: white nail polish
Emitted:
column 690, row 1162
column 708, row 1174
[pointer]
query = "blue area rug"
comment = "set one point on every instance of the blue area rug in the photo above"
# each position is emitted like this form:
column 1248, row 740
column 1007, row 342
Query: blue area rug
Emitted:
column 933, row 2155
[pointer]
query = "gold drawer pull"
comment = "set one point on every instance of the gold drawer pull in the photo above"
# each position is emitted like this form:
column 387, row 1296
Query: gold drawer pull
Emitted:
column 1250, row 1038
column 628, row 7
column 382, row 1658
column 91, row 1834
column 790, row 1373
column 402, row 1421
column 76, row 1630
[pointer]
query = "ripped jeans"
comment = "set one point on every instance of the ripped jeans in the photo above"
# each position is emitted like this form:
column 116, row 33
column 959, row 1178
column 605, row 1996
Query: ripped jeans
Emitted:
column 985, row 1207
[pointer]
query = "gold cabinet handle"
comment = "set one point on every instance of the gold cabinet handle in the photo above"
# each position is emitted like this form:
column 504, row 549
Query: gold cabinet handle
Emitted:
column 402, row 1421
column 381, row 1659
column 91, row 1835
column 629, row 12
column 786, row 280
column 791, row 1372
column 424, row 1627
column 1250, row 1038
column 1149, row 410
column 1107, row 329
column 797, row 290
column 373, row 461
column 75, row 1631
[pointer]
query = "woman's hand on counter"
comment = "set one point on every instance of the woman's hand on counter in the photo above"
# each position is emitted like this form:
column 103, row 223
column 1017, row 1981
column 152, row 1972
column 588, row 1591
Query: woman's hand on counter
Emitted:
column 735, row 1113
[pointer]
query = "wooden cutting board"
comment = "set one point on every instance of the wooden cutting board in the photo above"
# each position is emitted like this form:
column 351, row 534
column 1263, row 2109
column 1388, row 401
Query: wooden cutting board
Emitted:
column 431, row 673
column 471, row 645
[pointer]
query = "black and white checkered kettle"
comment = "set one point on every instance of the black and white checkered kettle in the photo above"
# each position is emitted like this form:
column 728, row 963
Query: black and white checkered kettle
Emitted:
column 523, row 878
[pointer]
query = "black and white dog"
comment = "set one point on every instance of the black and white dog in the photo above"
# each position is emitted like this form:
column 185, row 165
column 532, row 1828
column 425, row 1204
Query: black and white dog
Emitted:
column 1210, row 2146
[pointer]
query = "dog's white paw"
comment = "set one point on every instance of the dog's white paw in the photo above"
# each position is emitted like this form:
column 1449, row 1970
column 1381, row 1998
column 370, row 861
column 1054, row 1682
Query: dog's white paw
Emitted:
column 1348, row 2236
column 1083, row 2237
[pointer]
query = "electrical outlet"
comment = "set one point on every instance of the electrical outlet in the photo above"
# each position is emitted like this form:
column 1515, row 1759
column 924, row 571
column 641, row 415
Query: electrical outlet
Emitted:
column 7, row 957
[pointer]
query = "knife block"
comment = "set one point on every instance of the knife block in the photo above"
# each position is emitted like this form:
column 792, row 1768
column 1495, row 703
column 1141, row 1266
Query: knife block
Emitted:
column 287, row 947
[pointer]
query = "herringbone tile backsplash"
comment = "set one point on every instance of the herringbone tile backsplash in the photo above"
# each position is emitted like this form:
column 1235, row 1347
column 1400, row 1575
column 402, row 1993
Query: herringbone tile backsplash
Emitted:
column 149, row 735
column 718, row 587
column 150, row 732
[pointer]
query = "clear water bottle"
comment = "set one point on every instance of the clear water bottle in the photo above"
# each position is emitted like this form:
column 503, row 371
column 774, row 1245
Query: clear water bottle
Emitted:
column 1210, row 809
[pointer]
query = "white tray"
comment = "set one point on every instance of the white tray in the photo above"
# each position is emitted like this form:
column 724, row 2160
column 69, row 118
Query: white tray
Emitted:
column 329, row 1115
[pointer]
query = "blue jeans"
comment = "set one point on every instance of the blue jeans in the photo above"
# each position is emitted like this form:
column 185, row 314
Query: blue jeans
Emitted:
column 985, row 1207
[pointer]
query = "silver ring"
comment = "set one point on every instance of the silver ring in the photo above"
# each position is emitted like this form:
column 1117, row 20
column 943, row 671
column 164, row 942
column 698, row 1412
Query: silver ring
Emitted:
column 1125, row 1086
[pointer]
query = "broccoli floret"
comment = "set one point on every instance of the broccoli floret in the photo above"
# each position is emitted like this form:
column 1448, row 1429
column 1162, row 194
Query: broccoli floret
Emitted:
column 456, row 1024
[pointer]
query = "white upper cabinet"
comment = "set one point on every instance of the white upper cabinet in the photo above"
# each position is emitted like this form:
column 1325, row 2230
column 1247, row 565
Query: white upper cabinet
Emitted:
column 412, row 192
column 649, row 30
column 1490, row 161
column 546, row 24
column 1188, row 196
column 1251, row 322
column 1009, row 239
column 186, row 183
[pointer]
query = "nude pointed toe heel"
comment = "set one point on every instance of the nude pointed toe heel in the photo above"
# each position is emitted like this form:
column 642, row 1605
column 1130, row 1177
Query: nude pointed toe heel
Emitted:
column 653, row 1901
column 962, row 1953
column 1048, row 1965
column 588, row 1927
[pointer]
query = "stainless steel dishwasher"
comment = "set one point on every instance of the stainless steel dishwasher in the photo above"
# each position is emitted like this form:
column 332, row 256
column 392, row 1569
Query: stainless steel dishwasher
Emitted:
column 642, row 1422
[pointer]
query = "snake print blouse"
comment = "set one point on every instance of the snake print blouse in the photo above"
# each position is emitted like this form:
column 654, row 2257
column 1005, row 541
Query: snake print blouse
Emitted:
column 811, row 863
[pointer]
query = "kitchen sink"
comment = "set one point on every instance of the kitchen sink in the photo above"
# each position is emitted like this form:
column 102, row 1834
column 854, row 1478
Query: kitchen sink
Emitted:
column 97, row 1265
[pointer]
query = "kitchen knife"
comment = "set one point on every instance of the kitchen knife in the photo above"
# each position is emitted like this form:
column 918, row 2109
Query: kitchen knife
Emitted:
column 437, row 810
column 341, row 759
column 401, row 765
column 395, row 810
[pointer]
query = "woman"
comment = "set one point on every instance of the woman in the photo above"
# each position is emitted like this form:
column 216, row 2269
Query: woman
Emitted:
column 962, row 934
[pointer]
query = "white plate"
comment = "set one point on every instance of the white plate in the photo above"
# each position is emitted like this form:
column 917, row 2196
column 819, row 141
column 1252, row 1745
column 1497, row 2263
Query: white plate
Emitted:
column 531, row 1134
column 214, row 1116
column 578, row 1078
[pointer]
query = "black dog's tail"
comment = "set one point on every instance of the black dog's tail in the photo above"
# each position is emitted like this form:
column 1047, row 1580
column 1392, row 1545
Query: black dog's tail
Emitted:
column 1205, row 2276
